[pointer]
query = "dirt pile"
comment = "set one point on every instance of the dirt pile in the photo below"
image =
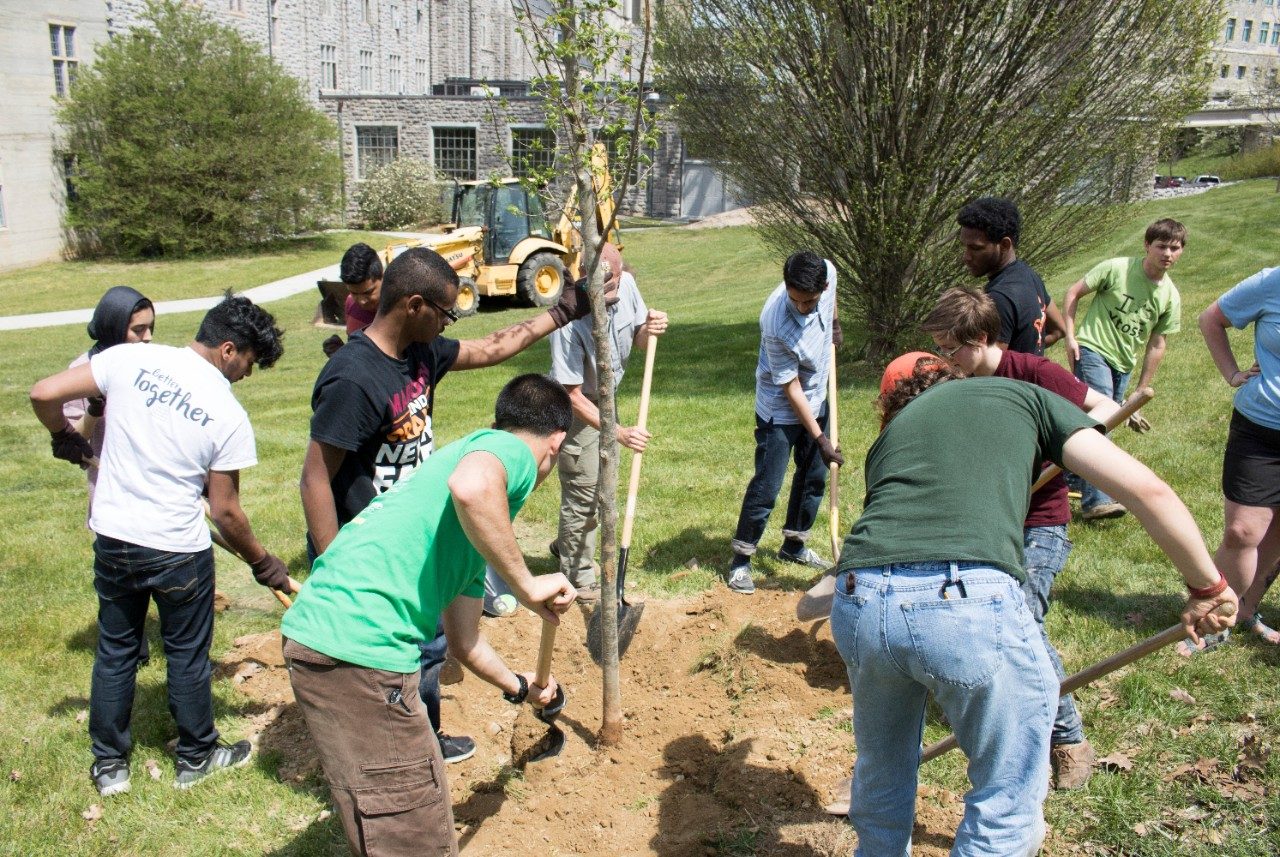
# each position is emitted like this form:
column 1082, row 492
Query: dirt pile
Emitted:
column 737, row 732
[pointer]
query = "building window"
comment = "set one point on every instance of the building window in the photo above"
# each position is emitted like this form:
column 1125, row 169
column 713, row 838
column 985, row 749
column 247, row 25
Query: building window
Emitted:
column 1231, row 29
column 376, row 146
column 1263, row 33
column 418, row 20
column 1275, row 35
column 455, row 152
column 4, row 221
column 328, row 67
column 395, row 17
column 637, row 11
column 532, row 149
column 619, row 146
column 69, row 177
column 366, row 71
column 366, row 12
column 273, row 22
column 1247, row 33
column 420, row 77
column 326, row 8
column 236, row 6
column 393, row 72
column 1226, row 70
column 1239, row 72
column 62, row 44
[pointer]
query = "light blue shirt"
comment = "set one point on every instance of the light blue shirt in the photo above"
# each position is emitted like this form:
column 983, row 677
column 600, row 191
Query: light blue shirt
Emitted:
column 573, row 349
column 1257, row 300
column 794, row 345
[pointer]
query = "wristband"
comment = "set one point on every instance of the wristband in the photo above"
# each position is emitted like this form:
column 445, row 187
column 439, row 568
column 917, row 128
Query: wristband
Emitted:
column 1209, row 591
column 518, row 697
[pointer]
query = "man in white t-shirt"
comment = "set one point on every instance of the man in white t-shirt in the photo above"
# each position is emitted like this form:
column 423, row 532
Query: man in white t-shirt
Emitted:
column 174, row 425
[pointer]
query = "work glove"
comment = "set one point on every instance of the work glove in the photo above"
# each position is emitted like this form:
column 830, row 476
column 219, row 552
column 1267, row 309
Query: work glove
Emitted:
column 96, row 407
column 272, row 573
column 837, row 335
column 573, row 303
column 331, row 345
column 830, row 454
column 1138, row 423
column 70, row 445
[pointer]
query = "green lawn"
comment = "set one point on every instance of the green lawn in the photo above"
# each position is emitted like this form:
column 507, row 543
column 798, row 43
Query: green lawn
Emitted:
column 79, row 284
column 1116, row 589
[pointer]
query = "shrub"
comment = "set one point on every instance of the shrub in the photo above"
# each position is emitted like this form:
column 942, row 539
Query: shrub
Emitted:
column 405, row 192
column 188, row 139
column 1255, row 164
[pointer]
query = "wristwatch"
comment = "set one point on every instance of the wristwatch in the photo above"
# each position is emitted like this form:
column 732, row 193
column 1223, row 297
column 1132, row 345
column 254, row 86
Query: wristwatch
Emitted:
column 518, row 697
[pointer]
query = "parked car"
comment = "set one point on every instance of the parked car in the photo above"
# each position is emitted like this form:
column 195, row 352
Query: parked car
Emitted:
column 1207, row 181
column 1170, row 181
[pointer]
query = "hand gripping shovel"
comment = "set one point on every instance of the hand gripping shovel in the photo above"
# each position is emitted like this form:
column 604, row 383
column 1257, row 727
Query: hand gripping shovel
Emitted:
column 221, row 542
column 528, row 742
column 628, row 614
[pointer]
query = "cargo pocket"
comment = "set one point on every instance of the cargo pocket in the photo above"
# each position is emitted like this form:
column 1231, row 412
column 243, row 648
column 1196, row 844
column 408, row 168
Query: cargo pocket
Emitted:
column 402, row 810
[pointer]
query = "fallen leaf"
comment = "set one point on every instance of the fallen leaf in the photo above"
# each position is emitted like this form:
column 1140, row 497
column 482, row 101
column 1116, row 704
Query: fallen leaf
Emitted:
column 324, row 815
column 1116, row 762
column 82, row 716
column 1180, row 695
column 153, row 768
column 1140, row 829
column 93, row 813
column 14, row 776
column 247, row 670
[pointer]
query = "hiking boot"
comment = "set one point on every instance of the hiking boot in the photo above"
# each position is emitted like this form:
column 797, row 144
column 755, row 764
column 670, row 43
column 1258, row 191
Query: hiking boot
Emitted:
column 1072, row 763
column 1103, row 511
column 588, row 593
column 455, row 749
column 807, row 556
column 111, row 776
column 222, row 757
column 740, row 579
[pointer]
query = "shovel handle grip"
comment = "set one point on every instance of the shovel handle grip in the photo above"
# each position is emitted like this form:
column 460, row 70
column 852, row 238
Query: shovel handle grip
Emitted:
column 1131, row 406
column 546, row 647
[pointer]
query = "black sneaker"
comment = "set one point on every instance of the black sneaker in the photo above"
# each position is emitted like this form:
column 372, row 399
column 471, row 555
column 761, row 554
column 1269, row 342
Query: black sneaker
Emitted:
column 111, row 776
column 455, row 749
column 223, row 756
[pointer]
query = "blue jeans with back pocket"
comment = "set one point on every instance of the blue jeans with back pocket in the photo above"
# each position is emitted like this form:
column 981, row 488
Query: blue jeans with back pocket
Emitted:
column 962, row 632
column 127, row 577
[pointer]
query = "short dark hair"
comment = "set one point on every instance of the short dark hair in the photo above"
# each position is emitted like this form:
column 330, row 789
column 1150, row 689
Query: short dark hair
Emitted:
column 533, row 403
column 238, row 321
column 964, row 314
column 417, row 271
column 1166, row 229
column 995, row 216
column 805, row 271
column 360, row 263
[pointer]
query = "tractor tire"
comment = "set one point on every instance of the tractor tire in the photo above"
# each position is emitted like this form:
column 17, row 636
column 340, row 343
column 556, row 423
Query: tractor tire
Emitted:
column 540, row 279
column 468, row 298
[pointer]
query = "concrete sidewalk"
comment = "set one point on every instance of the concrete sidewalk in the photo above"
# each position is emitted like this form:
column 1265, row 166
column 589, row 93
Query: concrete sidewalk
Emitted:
column 288, row 287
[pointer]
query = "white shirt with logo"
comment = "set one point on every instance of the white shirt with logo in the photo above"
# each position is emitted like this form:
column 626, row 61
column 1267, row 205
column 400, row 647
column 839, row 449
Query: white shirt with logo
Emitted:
column 173, row 419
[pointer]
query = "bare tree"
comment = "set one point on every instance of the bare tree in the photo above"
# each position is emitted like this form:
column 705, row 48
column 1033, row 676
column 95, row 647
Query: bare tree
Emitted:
column 592, row 71
column 860, row 128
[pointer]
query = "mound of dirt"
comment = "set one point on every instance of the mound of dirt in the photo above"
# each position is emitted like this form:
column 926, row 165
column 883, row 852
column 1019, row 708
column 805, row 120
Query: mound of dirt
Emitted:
column 732, row 217
column 737, row 732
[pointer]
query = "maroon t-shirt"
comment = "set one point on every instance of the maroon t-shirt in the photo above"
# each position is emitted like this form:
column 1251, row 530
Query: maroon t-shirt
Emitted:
column 1049, row 506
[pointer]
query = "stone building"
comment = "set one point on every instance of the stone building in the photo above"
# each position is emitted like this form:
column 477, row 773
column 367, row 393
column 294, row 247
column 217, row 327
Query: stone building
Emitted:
column 1246, row 55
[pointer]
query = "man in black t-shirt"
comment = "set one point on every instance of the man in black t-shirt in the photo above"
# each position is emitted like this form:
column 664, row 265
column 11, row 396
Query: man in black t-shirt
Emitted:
column 372, row 404
column 1029, row 319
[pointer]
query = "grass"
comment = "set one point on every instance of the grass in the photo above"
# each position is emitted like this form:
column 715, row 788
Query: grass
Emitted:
column 79, row 284
column 1116, row 589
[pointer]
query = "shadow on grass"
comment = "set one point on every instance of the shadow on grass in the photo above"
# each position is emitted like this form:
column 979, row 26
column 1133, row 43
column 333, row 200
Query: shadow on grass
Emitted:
column 1146, row 613
column 690, row 544
column 823, row 665
column 318, row 838
column 719, row 803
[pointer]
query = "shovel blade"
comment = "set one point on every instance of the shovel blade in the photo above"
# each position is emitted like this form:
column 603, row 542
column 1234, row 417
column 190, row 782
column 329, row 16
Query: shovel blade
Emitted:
column 628, row 620
column 549, row 747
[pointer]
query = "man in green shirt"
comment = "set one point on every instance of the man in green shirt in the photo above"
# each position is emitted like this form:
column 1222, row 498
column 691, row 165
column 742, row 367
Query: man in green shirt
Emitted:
column 417, row 553
column 1134, row 305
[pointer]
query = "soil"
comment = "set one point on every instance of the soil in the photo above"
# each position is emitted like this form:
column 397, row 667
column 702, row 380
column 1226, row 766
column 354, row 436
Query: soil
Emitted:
column 736, row 735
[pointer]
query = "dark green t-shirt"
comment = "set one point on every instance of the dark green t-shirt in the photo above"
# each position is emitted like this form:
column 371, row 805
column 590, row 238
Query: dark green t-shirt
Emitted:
column 382, row 583
column 950, row 477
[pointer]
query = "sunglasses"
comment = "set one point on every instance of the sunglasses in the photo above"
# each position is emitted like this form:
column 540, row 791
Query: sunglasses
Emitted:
column 450, row 314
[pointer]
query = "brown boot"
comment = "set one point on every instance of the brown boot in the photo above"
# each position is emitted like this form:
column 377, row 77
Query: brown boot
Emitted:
column 1072, row 763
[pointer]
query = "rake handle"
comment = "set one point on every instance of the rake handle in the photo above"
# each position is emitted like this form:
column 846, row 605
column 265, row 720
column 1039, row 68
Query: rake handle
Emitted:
column 1131, row 406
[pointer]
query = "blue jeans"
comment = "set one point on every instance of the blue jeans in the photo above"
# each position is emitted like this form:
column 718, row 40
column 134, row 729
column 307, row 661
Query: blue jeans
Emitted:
column 431, row 661
column 775, row 444
column 962, row 632
column 1100, row 375
column 1044, row 552
column 127, row 577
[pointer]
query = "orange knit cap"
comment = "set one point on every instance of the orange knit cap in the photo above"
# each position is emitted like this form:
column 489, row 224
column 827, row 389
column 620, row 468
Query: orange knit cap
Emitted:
column 902, row 367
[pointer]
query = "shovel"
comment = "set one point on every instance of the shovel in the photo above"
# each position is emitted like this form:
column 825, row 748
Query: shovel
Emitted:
column 628, row 614
column 221, row 542
column 528, row 743
column 833, row 430
column 1071, row 683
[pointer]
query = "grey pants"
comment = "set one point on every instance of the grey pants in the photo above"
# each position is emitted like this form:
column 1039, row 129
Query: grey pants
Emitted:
column 579, row 464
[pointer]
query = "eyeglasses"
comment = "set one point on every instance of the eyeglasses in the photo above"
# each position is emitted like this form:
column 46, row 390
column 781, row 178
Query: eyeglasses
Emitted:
column 948, row 353
column 451, row 314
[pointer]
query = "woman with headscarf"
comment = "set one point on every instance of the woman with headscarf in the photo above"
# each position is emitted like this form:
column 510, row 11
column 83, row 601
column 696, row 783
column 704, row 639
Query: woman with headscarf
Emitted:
column 122, row 315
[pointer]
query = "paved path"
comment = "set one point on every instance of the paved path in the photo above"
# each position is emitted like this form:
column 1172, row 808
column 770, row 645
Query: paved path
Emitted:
column 288, row 287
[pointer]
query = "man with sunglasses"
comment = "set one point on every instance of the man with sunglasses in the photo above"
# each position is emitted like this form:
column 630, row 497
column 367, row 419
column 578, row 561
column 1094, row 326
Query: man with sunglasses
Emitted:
column 372, row 408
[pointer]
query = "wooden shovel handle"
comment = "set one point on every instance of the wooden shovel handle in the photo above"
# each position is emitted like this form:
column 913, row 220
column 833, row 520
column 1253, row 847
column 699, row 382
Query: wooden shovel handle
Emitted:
column 833, row 431
column 1128, row 409
column 633, row 486
column 546, row 647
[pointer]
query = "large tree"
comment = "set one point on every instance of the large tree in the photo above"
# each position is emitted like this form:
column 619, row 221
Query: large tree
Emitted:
column 860, row 128
column 187, row 139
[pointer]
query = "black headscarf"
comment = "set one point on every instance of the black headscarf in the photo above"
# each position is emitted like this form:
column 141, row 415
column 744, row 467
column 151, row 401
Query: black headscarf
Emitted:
column 110, row 323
